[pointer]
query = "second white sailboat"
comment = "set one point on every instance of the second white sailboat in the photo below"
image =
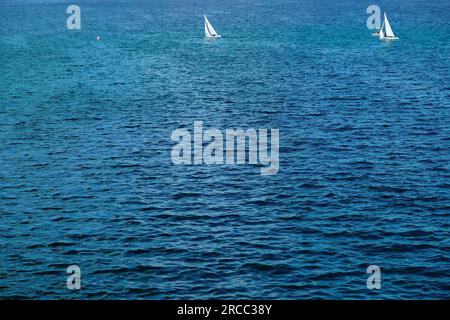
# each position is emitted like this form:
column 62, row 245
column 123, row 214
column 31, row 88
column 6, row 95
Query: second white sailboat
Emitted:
column 210, row 32
column 386, row 32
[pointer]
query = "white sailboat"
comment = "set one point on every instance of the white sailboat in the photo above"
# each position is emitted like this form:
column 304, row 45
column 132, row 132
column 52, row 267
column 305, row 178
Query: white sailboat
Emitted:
column 386, row 32
column 210, row 32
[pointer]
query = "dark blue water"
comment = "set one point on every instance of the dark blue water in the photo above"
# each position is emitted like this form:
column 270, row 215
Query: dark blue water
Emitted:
column 86, row 176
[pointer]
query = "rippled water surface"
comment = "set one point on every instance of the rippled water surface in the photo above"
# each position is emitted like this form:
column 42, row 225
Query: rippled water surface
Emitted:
column 86, row 176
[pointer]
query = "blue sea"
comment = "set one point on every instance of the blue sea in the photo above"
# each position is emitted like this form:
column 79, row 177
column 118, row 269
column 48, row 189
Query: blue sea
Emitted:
column 86, row 176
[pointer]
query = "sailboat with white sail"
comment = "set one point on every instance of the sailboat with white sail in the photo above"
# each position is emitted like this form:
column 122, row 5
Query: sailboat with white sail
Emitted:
column 386, row 32
column 210, row 32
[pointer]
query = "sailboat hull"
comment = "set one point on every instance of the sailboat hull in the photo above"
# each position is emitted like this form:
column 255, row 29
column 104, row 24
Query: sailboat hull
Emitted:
column 389, row 38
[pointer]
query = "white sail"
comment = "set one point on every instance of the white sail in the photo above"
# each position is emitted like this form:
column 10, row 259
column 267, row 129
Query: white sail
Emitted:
column 210, row 32
column 389, row 32
column 381, row 32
